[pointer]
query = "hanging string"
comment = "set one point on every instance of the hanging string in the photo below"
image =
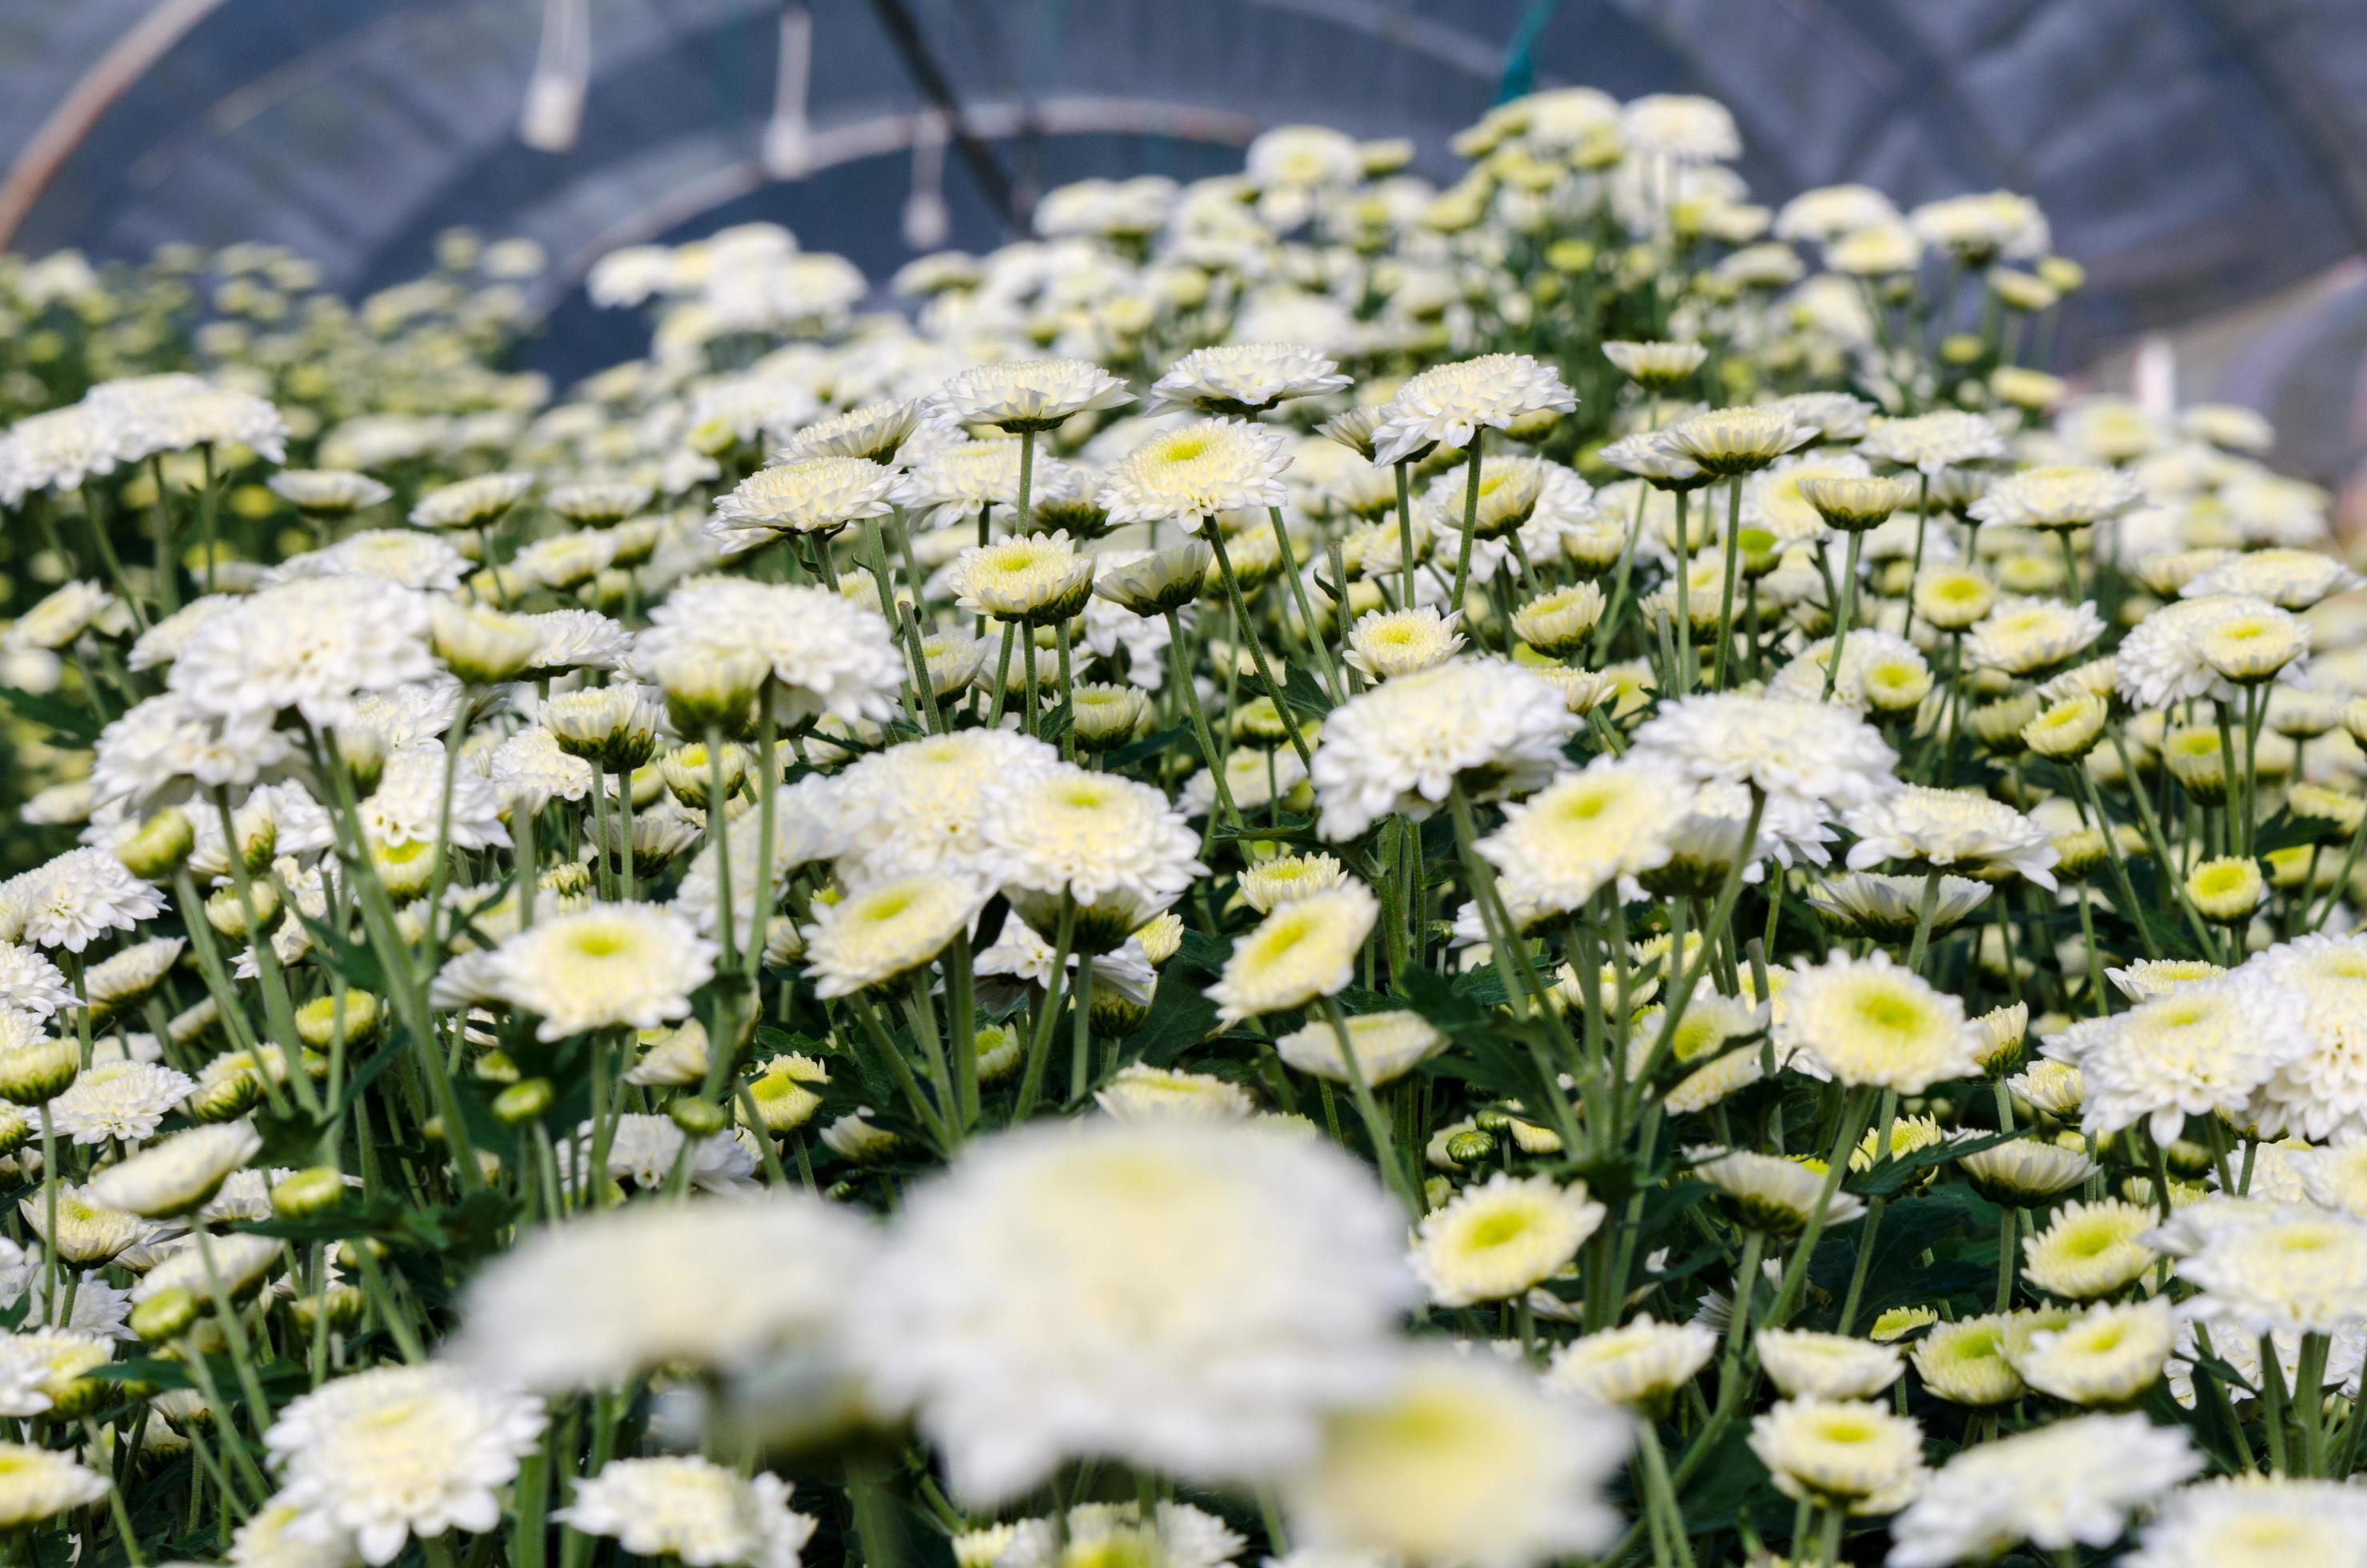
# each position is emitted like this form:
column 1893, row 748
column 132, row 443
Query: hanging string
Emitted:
column 927, row 221
column 553, row 111
column 788, row 135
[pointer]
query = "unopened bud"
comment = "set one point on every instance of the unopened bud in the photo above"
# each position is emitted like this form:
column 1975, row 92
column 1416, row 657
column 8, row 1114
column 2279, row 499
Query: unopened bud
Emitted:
column 523, row 1102
column 157, row 850
column 167, row 1315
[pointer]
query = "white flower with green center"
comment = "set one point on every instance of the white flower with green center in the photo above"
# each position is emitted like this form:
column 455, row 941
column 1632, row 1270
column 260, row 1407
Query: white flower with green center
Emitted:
column 1926, row 829
column 1847, row 1453
column 471, row 503
column 1387, row 1045
column 1188, row 474
column 1028, row 394
column 887, row 929
column 1182, row 1295
column 2294, row 1271
column 1465, row 1461
column 120, row 1100
column 40, row 1483
column 802, row 495
column 172, row 1177
column 1870, row 1021
column 1304, row 951
column 1804, row 1363
column 693, row 1510
column 1241, row 379
column 2073, row 1483
column 2090, row 1249
column 2108, row 1355
column 1387, row 642
column 394, row 1452
column 1448, row 405
column 610, row 966
column 1494, row 1241
column 2206, row 1046
column 1640, row 1363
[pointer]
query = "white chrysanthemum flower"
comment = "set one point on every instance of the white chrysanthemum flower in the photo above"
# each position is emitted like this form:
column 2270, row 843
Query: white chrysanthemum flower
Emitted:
column 1560, row 846
column 1266, row 885
column 122, row 1101
column 827, row 655
column 312, row 646
column 2290, row 579
column 874, row 431
column 2022, row 636
column 412, row 805
column 1189, row 474
column 61, row 449
column 713, row 1286
column 693, row 1510
column 1176, row 1536
column 916, row 807
column 2254, row 1521
column 610, row 966
column 30, row 983
column 804, row 496
column 1241, row 379
column 397, row 1451
column 1027, row 577
column 1926, row 829
column 1848, row 1452
column 2321, row 1093
column 75, row 899
column 529, row 771
column 1983, row 227
column 242, row 1262
column 1494, row 1241
column 1387, row 642
column 1776, row 1194
column 1028, row 394
column 954, row 483
column 2205, row 1047
column 887, row 929
column 1640, row 1363
column 1448, row 405
column 1403, row 746
column 1462, row 1460
column 1872, row 1021
column 1802, row 1362
column 65, row 613
column 2161, row 660
column 265, row 1541
column 401, row 556
column 575, row 639
column 645, row 1149
column 1387, row 1045
column 1929, row 442
column 471, row 503
column 2108, row 1355
column 1181, row 1296
column 1302, row 951
column 2292, row 1271
column 40, row 1483
column 1811, row 756
column 2057, row 496
column 2073, row 1483
column 174, row 1177
column 1093, row 835
column 1728, row 442
column 1140, row 1092
column 2089, row 1250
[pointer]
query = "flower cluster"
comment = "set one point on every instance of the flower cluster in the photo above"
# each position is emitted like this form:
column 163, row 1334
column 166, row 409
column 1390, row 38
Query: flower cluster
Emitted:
column 1319, row 870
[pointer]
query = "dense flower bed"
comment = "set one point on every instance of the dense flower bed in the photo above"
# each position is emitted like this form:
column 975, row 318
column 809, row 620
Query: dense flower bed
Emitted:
column 1317, row 869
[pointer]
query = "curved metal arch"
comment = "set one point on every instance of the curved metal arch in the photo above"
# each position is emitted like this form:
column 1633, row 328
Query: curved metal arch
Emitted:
column 127, row 60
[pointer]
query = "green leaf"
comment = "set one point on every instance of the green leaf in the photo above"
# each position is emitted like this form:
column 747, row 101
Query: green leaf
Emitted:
column 1148, row 746
column 1893, row 1173
column 1300, row 690
column 68, row 722
column 1182, row 1015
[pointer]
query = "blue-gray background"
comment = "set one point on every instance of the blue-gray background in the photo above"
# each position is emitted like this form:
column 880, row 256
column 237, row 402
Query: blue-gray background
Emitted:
column 2205, row 159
